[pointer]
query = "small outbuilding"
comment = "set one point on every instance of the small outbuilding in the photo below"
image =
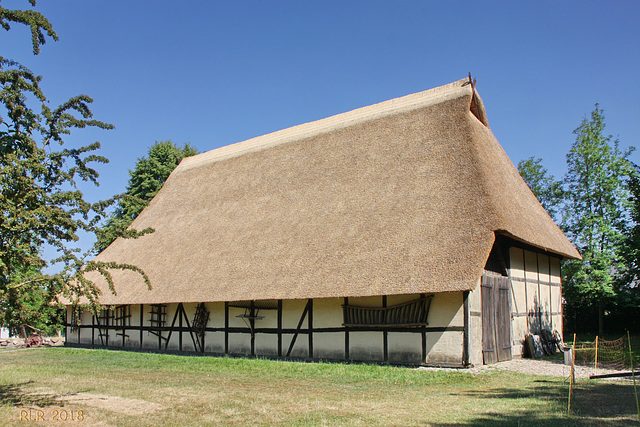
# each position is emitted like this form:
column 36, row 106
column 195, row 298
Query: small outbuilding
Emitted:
column 396, row 233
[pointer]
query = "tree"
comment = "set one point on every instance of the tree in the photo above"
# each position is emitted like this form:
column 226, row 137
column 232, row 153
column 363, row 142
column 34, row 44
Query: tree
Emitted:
column 40, row 202
column 595, row 215
column 627, row 288
column 145, row 181
column 548, row 191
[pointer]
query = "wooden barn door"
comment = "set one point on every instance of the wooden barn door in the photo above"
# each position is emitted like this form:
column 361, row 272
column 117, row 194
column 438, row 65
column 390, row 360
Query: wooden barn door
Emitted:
column 496, row 319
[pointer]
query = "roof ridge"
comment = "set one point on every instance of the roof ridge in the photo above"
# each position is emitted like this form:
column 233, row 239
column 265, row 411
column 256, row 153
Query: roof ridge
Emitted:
column 372, row 112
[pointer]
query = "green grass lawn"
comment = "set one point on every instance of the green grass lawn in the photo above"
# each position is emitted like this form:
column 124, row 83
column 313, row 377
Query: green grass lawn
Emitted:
column 125, row 388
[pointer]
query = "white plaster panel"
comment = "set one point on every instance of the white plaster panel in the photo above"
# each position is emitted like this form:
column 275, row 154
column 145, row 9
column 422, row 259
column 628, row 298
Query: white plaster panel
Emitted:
column 404, row 347
column 216, row 315
column 543, row 268
column 532, row 296
column 240, row 343
column 301, row 347
column 531, row 266
column 267, row 344
column 446, row 309
column 214, row 342
column 516, row 256
column 328, row 313
column 518, row 297
column 291, row 312
column 555, row 270
column 556, row 299
column 328, row 345
column 444, row 347
column 366, row 346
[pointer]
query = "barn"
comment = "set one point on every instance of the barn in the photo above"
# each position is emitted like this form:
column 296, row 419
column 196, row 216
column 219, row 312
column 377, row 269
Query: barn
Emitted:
column 396, row 233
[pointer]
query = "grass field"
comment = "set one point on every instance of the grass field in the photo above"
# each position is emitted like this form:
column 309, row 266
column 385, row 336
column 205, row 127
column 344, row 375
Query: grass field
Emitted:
column 98, row 387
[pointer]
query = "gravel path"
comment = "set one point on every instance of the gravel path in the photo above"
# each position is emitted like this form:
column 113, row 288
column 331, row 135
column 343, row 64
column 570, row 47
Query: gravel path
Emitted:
column 540, row 367
column 535, row 366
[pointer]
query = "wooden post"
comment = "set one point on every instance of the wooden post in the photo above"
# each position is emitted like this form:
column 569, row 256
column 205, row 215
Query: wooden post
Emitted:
column 252, row 326
column 596, row 362
column 66, row 322
column 572, row 378
column 124, row 326
column 179, row 313
column 106, row 321
column 385, row 338
column 141, row 322
column 346, row 332
column 635, row 389
column 465, row 333
column 279, row 328
column 310, row 326
column 424, row 339
column 226, row 328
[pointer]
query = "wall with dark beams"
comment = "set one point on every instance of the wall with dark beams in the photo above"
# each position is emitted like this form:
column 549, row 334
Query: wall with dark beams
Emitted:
column 297, row 329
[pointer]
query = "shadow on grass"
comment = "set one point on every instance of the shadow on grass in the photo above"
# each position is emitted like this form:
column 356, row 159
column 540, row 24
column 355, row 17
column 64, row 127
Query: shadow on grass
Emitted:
column 15, row 395
column 593, row 403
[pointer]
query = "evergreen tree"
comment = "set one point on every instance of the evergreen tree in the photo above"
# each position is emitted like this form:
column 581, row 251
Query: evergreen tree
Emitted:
column 595, row 216
column 145, row 181
column 40, row 203
column 548, row 191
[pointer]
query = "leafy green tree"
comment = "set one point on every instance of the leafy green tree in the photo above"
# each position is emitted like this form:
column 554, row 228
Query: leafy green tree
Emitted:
column 548, row 191
column 40, row 202
column 595, row 215
column 145, row 181
column 627, row 288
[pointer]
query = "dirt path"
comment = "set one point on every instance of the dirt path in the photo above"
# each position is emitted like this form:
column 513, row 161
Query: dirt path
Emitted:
column 536, row 367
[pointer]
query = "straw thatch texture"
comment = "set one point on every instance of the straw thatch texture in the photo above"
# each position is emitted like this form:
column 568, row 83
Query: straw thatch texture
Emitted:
column 395, row 198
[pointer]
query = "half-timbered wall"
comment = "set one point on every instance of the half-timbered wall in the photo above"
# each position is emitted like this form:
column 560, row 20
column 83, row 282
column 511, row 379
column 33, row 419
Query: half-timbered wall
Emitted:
column 303, row 329
column 536, row 299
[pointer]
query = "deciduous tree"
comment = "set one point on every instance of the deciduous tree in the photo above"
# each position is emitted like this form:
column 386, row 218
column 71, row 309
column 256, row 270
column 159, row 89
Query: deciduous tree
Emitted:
column 547, row 189
column 595, row 214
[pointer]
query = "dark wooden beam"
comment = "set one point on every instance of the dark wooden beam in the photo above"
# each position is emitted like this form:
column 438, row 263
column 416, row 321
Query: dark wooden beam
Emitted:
column 141, row 322
column 298, row 329
column 226, row 328
column 279, row 328
column 424, row 339
column 274, row 331
column 385, row 336
column 310, row 326
column 179, row 312
column 465, row 336
column 252, row 325
column 172, row 328
column 346, row 330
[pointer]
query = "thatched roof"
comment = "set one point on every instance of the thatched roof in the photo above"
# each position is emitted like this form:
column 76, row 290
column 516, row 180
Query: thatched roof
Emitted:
column 400, row 197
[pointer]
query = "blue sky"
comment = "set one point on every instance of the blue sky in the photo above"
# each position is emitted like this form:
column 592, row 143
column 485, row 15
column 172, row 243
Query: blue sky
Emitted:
column 213, row 73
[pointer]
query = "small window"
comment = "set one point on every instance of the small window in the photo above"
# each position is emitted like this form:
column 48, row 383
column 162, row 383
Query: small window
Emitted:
column 105, row 317
column 158, row 319
column 123, row 316
column 75, row 322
